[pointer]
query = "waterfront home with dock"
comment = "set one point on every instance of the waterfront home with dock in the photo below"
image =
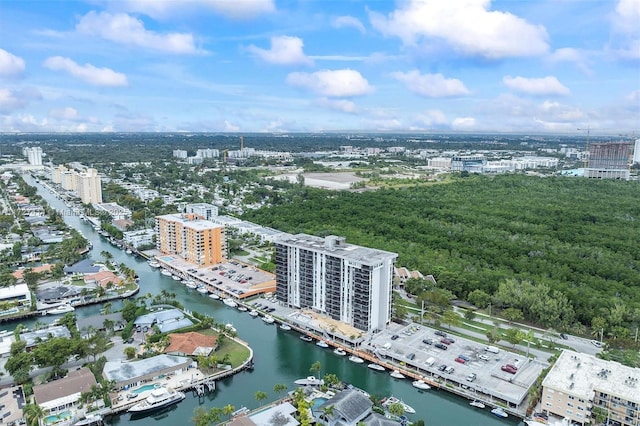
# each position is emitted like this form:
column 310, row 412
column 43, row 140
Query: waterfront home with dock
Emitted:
column 130, row 374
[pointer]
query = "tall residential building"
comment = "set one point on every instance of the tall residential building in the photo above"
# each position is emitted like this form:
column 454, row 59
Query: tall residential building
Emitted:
column 89, row 187
column 636, row 152
column 609, row 160
column 196, row 240
column 349, row 283
column 204, row 210
column 34, row 155
column 208, row 153
column 180, row 153
column 468, row 163
column 579, row 386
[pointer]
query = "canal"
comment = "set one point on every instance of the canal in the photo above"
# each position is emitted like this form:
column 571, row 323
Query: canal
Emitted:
column 280, row 356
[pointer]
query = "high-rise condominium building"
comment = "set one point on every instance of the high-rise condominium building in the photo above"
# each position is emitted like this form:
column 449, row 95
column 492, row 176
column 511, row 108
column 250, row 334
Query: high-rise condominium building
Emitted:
column 180, row 153
column 189, row 236
column 636, row 152
column 204, row 210
column 349, row 283
column 582, row 387
column 609, row 160
column 34, row 155
column 89, row 187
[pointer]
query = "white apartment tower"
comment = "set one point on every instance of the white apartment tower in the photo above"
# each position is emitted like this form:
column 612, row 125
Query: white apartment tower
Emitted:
column 180, row 153
column 636, row 152
column 204, row 210
column 88, row 187
column 349, row 283
column 34, row 155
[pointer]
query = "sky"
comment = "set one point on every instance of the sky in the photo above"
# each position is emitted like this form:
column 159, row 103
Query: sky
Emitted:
column 528, row 66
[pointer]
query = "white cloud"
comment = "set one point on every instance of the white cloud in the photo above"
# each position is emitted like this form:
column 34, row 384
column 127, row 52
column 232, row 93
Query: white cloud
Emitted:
column 67, row 113
column 338, row 104
column 575, row 56
column 431, row 118
column 228, row 127
column 431, row 85
column 348, row 22
column 626, row 23
column 536, row 86
column 331, row 83
column 15, row 99
column 87, row 72
column 125, row 29
column 558, row 112
column 463, row 123
column 285, row 50
column 234, row 9
column 10, row 64
column 466, row 25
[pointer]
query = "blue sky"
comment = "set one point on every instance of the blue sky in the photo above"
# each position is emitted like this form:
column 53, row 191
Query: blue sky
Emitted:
column 320, row 65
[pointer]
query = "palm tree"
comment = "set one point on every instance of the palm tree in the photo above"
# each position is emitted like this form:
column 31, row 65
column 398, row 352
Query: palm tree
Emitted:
column 33, row 413
column 327, row 412
column 106, row 308
column 316, row 367
column 228, row 410
column 396, row 409
column 279, row 387
column 261, row 396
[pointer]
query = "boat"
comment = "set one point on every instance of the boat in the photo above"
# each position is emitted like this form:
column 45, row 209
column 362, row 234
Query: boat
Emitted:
column 339, row 352
column 393, row 400
column 397, row 375
column 159, row 398
column 128, row 251
column 309, row 381
column 230, row 327
column 90, row 420
column 154, row 264
column 477, row 404
column 306, row 338
column 420, row 384
column 255, row 313
column 202, row 290
column 214, row 296
column 192, row 285
column 175, row 277
column 322, row 344
column 376, row 367
column 356, row 359
column 242, row 308
column 284, row 326
column 499, row 412
column 240, row 411
column 230, row 302
column 62, row 309
column 166, row 272
column 268, row 319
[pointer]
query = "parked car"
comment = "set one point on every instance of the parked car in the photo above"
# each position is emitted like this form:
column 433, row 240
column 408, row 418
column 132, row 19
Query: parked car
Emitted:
column 564, row 336
column 483, row 357
column 394, row 337
column 427, row 341
column 449, row 370
column 441, row 346
column 442, row 367
column 411, row 356
column 509, row 369
column 596, row 343
column 460, row 360
column 446, row 341
column 440, row 333
column 471, row 377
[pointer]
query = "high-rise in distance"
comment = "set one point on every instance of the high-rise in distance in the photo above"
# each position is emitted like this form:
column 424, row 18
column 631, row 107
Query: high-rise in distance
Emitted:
column 346, row 282
column 194, row 239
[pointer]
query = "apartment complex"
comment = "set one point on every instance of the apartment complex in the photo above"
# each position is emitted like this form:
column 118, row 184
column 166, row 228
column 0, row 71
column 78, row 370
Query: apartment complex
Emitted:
column 349, row 283
column 34, row 155
column 609, row 160
column 87, row 185
column 579, row 386
column 205, row 210
column 189, row 236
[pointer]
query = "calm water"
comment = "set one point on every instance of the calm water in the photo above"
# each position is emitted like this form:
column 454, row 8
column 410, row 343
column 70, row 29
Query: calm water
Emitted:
column 280, row 356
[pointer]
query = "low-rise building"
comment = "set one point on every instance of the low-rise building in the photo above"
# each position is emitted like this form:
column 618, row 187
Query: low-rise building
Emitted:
column 139, row 238
column 15, row 298
column 579, row 386
column 116, row 211
column 191, row 343
column 167, row 320
column 62, row 396
column 134, row 373
column 32, row 338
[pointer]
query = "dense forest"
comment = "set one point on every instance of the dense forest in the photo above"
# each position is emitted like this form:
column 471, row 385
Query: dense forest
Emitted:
column 575, row 241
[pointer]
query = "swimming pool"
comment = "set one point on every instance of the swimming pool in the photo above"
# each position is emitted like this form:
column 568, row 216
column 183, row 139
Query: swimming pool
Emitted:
column 55, row 418
column 142, row 389
column 166, row 258
column 317, row 403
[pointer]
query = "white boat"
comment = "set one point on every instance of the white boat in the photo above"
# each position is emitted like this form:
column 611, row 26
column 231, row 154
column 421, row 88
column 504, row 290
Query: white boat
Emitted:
column 166, row 272
column 393, row 400
column 309, row 381
column 192, row 285
column 128, row 251
column 322, row 344
column 62, row 309
column 230, row 327
column 284, row 326
column 306, row 338
column 339, row 352
column 242, row 308
column 175, row 277
column 154, row 264
column 477, row 404
column 255, row 313
column 376, row 367
column 90, row 420
column 397, row 375
column 159, row 398
column 499, row 412
column 230, row 302
column 420, row 384
column 268, row 319
column 214, row 296
column 202, row 290
column 356, row 359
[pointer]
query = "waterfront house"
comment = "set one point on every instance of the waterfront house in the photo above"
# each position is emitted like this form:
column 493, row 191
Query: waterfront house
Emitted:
column 167, row 320
column 60, row 397
column 349, row 408
column 191, row 343
column 134, row 373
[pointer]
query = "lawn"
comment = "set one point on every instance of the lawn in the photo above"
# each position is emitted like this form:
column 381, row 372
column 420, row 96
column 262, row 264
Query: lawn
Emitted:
column 237, row 353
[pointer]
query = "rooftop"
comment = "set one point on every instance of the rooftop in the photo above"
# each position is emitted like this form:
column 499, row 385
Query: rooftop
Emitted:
column 84, row 266
column 123, row 371
column 31, row 337
column 77, row 381
column 191, row 343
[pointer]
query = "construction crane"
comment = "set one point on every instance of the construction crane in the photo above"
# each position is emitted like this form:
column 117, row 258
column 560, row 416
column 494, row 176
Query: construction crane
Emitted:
column 586, row 149
column 224, row 155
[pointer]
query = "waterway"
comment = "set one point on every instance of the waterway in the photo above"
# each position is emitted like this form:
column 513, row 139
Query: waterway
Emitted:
column 280, row 356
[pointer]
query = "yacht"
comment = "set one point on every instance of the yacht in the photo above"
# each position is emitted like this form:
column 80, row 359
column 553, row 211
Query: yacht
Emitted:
column 477, row 404
column 160, row 397
column 284, row 326
column 176, row 277
column 339, row 352
column 166, row 272
column 230, row 327
column 242, row 308
column 376, row 367
column 255, row 313
column 202, row 290
column 268, row 319
column 306, row 338
column 154, row 264
column 214, row 296
column 322, row 344
column 230, row 302
column 356, row 359
column 420, row 384
column 309, row 381
column 62, row 309
column 499, row 412
column 393, row 400
column 397, row 375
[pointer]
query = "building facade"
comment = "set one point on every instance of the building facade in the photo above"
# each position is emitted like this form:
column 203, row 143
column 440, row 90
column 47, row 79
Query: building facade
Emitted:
column 349, row 283
column 89, row 187
column 609, row 160
column 582, row 388
column 204, row 210
column 636, row 152
column 34, row 155
column 194, row 239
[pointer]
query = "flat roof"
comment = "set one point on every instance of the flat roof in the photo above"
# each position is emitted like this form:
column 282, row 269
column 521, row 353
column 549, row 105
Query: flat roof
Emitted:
column 43, row 334
column 580, row 374
column 14, row 291
column 124, row 371
column 339, row 248
column 197, row 224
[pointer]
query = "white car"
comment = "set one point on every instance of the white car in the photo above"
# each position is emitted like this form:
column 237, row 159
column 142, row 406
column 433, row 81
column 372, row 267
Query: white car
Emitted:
column 483, row 357
column 596, row 343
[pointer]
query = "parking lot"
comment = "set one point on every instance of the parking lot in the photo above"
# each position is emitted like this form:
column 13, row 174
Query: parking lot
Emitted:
column 457, row 361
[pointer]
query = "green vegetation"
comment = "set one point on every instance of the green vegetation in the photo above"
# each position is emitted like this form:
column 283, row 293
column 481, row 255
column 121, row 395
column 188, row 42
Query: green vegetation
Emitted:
column 570, row 240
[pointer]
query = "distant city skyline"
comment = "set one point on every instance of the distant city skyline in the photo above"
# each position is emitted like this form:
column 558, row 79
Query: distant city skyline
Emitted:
column 540, row 66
